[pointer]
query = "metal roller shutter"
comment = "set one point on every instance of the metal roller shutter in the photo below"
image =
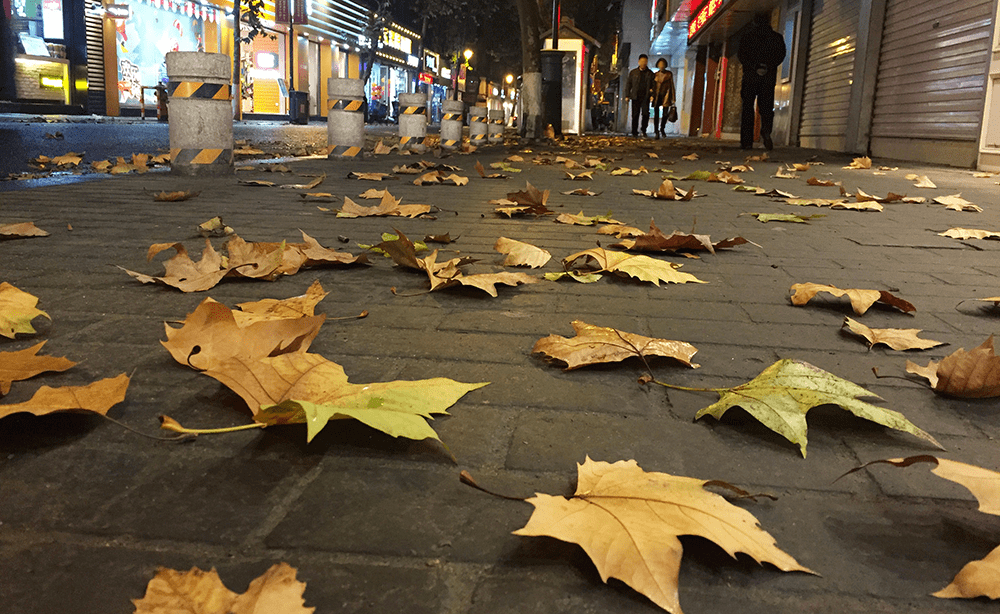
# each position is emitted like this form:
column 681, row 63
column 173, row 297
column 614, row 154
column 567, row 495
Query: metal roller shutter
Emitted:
column 826, row 96
column 95, row 59
column 932, row 75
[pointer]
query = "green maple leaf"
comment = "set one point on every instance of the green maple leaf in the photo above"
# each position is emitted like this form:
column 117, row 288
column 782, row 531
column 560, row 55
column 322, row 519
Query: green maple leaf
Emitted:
column 306, row 388
column 783, row 393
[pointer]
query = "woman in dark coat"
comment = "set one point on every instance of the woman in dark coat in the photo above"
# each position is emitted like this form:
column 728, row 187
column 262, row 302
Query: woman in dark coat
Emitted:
column 663, row 96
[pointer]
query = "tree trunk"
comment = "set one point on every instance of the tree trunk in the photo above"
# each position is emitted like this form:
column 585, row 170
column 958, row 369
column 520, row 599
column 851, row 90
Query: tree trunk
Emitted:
column 531, row 78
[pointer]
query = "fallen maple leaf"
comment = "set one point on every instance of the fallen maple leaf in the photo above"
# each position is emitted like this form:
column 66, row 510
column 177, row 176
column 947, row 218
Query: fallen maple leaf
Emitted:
column 373, row 194
column 211, row 335
column 977, row 578
column 861, row 300
column 215, row 227
column 581, row 192
column 974, row 374
column 171, row 197
column 482, row 172
column 369, row 176
column 306, row 388
column 583, row 278
column 632, row 172
column 955, row 202
column 619, row 230
column 785, row 217
column 97, row 398
column 439, row 178
column 583, row 220
column 820, row 182
column 585, row 176
column 896, row 338
column 628, row 520
column 598, row 344
column 783, row 393
column 923, row 182
column 23, row 229
column 860, row 163
column 382, row 149
column 640, row 267
column 68, row 159
column 256, row 183
column 199, row 592
column 962, row 233
column 656, row 241
column 17, row 310
column 305, row 186
column 521, row 254
column 530, row 196
column 388, row 207
column 445, row 238
column 26, row 363
column 690, row 156
column 280, row 309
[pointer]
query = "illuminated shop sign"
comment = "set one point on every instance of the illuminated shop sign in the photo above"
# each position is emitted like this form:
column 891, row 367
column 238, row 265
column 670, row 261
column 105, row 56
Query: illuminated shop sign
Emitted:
column 707, row 11
column 117, row 11
column 397, row 41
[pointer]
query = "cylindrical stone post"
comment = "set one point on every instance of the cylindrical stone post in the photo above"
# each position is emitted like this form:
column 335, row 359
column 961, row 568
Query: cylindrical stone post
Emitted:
column 495, row 131
column 477, row 126
column 412, row 121
column 201, row 113
column 345, row 119
column 451, row 123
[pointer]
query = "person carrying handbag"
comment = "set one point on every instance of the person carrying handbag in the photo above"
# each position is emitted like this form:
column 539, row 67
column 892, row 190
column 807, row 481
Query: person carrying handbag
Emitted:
column 664, row 98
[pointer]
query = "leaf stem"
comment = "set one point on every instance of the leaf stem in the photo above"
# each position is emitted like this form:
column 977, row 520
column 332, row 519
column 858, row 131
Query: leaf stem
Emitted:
column 170, row 424
column 180, row 438
column 466, row 478
column 676, row 387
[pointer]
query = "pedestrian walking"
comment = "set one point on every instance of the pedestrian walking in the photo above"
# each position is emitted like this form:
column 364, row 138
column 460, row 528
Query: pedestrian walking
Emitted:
column 663, row 97
column 639, row 90
column 762, row 50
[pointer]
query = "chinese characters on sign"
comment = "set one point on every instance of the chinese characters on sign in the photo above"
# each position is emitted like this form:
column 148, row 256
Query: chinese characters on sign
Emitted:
column 397, row 41
column 708, row 10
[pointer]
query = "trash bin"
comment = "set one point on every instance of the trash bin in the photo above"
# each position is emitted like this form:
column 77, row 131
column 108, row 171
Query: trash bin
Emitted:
column 298, row 107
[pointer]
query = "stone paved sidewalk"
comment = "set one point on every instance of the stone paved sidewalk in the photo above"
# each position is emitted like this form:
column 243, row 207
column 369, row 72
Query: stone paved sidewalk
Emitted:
column 373, row 524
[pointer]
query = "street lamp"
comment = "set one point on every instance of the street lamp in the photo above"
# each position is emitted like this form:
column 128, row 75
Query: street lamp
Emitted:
column 509, row 78
column 468, row 55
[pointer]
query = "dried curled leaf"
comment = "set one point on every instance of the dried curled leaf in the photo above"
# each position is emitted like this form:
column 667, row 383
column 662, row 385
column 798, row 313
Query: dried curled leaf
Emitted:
column 896, row 338
column 521, row 254
column 277, row 591
column 977, row 578
column 583, row 278
column 860, row 163
column 173, row 197
column 638, row 266
column 861, row 300
column 215, row 227
column 974, row 374
column 656, row 241
column 783, row 393
column 17, row 310
column 785, row 217
column 628, row 520
column 955, row 202
column 598, row 344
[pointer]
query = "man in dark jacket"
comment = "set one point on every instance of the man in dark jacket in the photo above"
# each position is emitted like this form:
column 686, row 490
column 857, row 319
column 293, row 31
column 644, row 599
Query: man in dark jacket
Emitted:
column 639, row 89
column 762, row 50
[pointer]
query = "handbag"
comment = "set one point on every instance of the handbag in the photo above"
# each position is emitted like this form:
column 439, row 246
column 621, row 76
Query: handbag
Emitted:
column 672, row 114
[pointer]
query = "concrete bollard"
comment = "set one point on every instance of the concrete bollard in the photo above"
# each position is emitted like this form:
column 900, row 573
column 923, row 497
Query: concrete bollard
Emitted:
column 201, row 113
column 345, row 119
column 477, row 126
column 451, row 123
column 412, row 121
column 495, row 127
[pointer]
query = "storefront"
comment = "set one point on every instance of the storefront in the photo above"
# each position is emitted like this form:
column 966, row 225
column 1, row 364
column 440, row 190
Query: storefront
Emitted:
column 50, row 60
column 395, row 69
